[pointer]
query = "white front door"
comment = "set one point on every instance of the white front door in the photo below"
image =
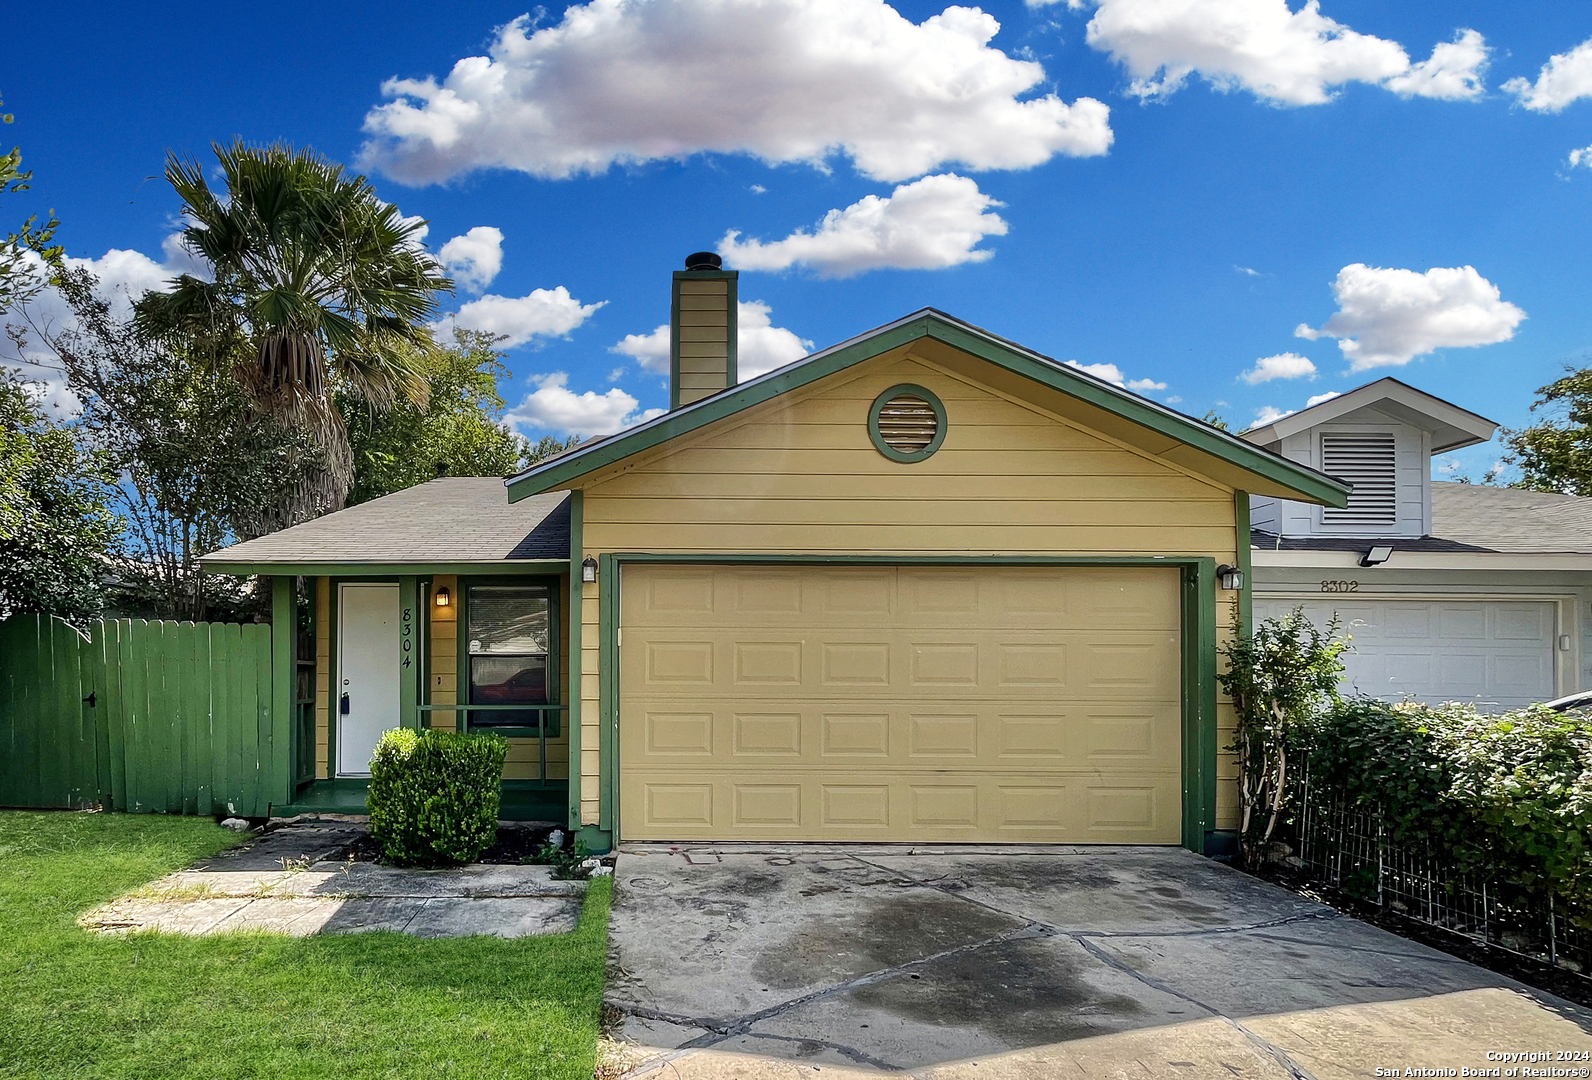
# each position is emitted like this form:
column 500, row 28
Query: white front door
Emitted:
column 1498, row 654
column 367, row 671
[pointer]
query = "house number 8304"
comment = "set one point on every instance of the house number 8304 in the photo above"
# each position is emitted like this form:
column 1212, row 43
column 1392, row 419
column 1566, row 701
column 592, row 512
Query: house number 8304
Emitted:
column 1340, row 586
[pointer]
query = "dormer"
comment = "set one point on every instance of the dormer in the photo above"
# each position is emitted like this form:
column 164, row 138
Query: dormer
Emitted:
column 1380, row 438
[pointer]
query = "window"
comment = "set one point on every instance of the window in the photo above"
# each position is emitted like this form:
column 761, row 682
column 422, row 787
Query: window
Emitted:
column 1368, row 462
column 907, row 423
column 508, row 650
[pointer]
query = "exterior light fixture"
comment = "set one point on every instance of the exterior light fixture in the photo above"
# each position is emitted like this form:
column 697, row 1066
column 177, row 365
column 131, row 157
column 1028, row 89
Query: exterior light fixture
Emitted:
column 588, row 570
column 1379, row 554
column 1229, row 577
column 444, row 597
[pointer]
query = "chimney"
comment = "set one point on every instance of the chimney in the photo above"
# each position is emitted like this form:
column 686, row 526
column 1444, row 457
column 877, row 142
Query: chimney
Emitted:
column 701, row 329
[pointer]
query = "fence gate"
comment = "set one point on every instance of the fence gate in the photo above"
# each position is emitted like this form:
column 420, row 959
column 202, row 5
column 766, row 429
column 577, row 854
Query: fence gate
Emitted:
column 154, row 717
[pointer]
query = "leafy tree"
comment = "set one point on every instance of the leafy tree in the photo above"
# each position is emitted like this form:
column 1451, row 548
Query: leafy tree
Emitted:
column 198, row 460
column 317, row 284
column 17, row 278
column 548, row 446
column 1279, row 677
column 1556, row 454
column 459, row 430
column 1215, row 420
column 56, row 525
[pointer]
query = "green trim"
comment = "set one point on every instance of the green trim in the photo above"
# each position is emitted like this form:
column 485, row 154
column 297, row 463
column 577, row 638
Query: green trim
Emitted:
column 1302, row 481
column 1198, row 624
column 884, row 399
column 385, row 570
column 732, row 344
column 608, row 688
column 1246, row 595
column 577, row 528
column 284, row 672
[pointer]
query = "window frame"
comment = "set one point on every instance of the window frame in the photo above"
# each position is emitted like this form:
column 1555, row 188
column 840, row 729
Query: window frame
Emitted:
column 550, row 727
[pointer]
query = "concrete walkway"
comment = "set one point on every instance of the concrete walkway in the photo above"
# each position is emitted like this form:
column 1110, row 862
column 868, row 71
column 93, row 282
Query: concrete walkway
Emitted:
column 295, row 880
column 756, row 962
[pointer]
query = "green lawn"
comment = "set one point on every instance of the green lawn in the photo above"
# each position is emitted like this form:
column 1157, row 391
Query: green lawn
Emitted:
column 257, row 1006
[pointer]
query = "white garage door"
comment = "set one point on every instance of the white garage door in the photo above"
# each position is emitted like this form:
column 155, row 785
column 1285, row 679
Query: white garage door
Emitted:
column 1498, row 654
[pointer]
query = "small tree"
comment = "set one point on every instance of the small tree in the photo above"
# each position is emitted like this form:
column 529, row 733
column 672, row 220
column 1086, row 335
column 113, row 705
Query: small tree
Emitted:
column 1278, row 677
column 1556, row 454
column 56, row 525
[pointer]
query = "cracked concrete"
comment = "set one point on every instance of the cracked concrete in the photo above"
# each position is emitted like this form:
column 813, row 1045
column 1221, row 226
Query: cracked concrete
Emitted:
column 745, row 961
column 296, row 881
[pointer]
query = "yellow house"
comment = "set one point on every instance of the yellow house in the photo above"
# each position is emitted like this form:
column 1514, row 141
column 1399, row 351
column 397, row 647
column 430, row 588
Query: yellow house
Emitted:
column 924, row 585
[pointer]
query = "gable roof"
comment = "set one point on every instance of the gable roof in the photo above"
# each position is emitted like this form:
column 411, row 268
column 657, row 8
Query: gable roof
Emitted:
column 453, row 519
column 1277, row 475
column 1451, row 426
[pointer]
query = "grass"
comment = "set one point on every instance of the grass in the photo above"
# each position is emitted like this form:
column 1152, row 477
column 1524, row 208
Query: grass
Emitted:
column 260, row 1006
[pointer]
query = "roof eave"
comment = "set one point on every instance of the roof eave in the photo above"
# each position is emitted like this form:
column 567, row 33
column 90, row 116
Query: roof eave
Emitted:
column 1303, row 481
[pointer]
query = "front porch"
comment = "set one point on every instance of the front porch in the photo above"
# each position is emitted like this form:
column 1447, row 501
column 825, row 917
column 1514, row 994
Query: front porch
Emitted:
column 523, row 800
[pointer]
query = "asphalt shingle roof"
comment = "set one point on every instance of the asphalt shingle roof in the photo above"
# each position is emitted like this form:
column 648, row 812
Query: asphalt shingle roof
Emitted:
column 1478, row 518
column 450, row 519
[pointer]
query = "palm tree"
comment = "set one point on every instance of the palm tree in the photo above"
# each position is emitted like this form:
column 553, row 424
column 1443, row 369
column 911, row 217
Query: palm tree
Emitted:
column 316, row 284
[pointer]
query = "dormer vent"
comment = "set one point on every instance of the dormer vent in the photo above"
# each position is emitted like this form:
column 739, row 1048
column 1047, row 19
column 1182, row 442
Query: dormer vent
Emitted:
column 1369, row 462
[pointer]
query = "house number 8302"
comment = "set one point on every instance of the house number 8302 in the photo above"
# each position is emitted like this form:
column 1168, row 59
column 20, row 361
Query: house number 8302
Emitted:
column 1340, row 586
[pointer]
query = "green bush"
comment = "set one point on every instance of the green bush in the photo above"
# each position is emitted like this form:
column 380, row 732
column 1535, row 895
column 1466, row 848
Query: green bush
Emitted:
column 434, row 795
column 1506, row 796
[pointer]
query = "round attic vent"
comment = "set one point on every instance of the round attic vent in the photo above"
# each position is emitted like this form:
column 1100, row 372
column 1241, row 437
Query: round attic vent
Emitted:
column 907, row 423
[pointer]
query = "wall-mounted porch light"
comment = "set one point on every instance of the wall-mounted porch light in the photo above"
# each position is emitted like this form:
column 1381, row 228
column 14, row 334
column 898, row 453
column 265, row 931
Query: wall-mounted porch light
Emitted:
column 588, row 570
column 1229, row 577
column 1378, row 555
column 444, row 598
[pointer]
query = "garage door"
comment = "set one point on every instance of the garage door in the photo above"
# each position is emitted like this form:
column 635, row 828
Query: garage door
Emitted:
column 1498, row 654
column 1004, row 704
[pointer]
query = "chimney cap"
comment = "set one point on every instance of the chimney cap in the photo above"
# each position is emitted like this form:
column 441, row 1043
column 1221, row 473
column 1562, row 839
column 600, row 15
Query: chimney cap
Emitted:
column 703, row 260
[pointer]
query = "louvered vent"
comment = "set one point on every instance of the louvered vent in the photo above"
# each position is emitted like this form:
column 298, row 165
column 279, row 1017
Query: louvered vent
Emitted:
column 1367, row 462
column 908, row 424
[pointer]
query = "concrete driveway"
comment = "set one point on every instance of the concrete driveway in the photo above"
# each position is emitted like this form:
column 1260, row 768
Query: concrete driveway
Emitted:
column 741, row 961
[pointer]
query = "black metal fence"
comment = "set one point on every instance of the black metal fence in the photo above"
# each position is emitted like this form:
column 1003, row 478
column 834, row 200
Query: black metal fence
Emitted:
column 1348, row 848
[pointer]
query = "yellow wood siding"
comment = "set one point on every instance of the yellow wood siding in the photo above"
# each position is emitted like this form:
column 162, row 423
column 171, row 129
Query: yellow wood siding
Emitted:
column 798, row 475
column 704, row 338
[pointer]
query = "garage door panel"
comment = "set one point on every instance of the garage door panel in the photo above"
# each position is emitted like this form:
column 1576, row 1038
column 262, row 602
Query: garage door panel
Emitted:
column 923, row 805
column 1497, row 653
column 921, row 703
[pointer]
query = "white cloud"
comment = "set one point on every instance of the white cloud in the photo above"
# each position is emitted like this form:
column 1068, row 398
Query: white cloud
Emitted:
column 759, row 189
column 1563, row 79
column 929, row 224
column 625, row 81
column 1452, row 73
column 552, row 406
column 1174, row 400
column 651, row 351
column 1282, row 56
column 1270, row 414
column 1387, row 317
column 760, row 345
column 543, row 313
column 1113, row 374
column 1286, row 365
column 475, row 258
column 1582, row 156
column 1319, row 398
column 1248, row 271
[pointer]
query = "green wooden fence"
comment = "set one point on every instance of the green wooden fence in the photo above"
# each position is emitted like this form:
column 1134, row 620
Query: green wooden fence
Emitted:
column 153, row 717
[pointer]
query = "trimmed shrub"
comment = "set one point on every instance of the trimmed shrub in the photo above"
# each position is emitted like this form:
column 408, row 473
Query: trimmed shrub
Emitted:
column 1506, row 796
column 434, row 795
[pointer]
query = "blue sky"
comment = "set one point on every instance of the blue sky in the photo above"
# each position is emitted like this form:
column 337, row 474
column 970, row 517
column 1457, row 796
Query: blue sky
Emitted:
column 1062, row 186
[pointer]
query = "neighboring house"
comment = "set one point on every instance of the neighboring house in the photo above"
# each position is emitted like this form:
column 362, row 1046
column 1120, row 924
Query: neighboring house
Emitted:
column 1449, row 591
column 925, row 585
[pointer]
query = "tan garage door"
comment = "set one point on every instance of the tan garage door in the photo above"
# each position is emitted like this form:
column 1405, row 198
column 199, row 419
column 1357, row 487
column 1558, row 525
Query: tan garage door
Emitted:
column 997, row 704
